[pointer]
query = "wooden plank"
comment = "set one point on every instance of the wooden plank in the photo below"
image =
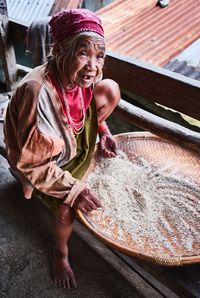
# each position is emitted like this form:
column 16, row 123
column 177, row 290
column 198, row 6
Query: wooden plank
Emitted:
column 157, row 278
column 7, row 49
column 188, row 277
column 155, row 84
column 159, row 126
column 136, row 281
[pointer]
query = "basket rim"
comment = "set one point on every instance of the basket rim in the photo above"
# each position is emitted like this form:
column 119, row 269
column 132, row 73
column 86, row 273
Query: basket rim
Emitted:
column 160, row 259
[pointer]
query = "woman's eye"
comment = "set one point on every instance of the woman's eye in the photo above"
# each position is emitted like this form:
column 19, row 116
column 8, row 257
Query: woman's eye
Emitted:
column 100, row 57
column 82, row 53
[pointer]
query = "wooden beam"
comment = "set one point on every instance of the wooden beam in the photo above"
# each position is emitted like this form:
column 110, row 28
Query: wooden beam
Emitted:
column 137, row 282
column 157, row 125
column 7, row 49
column 156, row 277
column 155, row 84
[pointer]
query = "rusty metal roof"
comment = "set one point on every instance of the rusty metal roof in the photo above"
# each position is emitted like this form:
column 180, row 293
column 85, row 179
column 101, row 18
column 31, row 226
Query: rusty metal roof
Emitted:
column 143, row 30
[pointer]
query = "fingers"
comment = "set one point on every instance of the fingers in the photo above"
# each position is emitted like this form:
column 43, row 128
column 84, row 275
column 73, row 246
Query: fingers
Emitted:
column 91, row 198
column 114, row 147
column 95, row 199
column 102, row 143
column 107, row 154
column 108, row 146
column 84, row 210
column 84, row 207
column 91, row 203
column 87, row 201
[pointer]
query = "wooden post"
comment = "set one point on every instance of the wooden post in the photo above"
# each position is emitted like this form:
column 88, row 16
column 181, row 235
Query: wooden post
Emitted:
column 6, row 49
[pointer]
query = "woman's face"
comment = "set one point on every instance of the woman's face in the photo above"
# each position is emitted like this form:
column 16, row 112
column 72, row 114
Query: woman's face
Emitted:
column 88, row 62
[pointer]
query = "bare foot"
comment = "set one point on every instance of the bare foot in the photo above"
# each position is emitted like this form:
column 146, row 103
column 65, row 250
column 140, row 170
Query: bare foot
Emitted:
column 63, row 274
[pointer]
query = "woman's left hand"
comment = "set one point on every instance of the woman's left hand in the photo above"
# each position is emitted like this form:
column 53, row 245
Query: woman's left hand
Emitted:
column 107, row 144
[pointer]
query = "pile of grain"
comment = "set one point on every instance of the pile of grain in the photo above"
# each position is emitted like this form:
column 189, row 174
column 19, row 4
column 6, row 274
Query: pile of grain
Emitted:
column 157, row 208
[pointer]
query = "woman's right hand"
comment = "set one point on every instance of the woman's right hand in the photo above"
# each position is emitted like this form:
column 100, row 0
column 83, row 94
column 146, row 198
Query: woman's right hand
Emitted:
column 87, row 201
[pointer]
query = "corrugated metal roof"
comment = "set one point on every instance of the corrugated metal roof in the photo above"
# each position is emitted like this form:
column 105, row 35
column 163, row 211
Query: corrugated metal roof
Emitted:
column 188, row 62
column 143, row 30
column 184, row 68
column 191, row 54
column 25, row 11
column 63, row 4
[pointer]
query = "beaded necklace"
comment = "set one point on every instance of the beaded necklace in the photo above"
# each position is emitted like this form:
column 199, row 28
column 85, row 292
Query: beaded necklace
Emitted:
column 77, row 126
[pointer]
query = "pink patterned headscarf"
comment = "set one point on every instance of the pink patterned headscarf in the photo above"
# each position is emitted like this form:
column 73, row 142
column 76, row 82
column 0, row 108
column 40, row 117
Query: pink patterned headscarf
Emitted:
column 71, row 21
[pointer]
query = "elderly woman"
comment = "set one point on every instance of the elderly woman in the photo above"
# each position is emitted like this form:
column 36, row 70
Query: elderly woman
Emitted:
column 52, row 123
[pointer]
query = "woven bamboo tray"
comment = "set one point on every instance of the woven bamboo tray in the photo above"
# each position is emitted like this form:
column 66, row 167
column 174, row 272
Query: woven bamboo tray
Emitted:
column 159, row 153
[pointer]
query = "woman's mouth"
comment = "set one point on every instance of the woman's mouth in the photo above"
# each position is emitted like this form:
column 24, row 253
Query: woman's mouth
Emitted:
column 85, row 79
column 88, row 79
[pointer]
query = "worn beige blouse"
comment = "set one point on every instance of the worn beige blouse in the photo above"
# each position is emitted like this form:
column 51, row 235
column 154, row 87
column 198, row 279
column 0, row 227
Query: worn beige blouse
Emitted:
column 38, row 140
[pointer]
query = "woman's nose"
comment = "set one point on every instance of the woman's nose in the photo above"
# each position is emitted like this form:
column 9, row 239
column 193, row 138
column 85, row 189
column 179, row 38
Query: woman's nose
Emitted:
column 91, row 64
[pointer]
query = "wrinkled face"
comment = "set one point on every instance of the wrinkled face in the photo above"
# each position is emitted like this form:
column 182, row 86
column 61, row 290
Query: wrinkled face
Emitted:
column 88, row 62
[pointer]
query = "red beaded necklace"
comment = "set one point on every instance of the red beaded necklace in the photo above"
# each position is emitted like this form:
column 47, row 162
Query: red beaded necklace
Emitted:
column 77, row 126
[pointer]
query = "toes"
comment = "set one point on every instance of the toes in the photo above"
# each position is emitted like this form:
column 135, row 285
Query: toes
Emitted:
column 60, row 282
column 65, row 284
column 67, row 281
column 73, row 282
column 68, row 284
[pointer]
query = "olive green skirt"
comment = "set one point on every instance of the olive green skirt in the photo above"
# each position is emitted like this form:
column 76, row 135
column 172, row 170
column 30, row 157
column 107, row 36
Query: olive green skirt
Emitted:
column 79, row 164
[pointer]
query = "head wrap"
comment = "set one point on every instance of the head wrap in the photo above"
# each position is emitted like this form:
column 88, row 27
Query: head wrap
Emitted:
column 71, row 21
